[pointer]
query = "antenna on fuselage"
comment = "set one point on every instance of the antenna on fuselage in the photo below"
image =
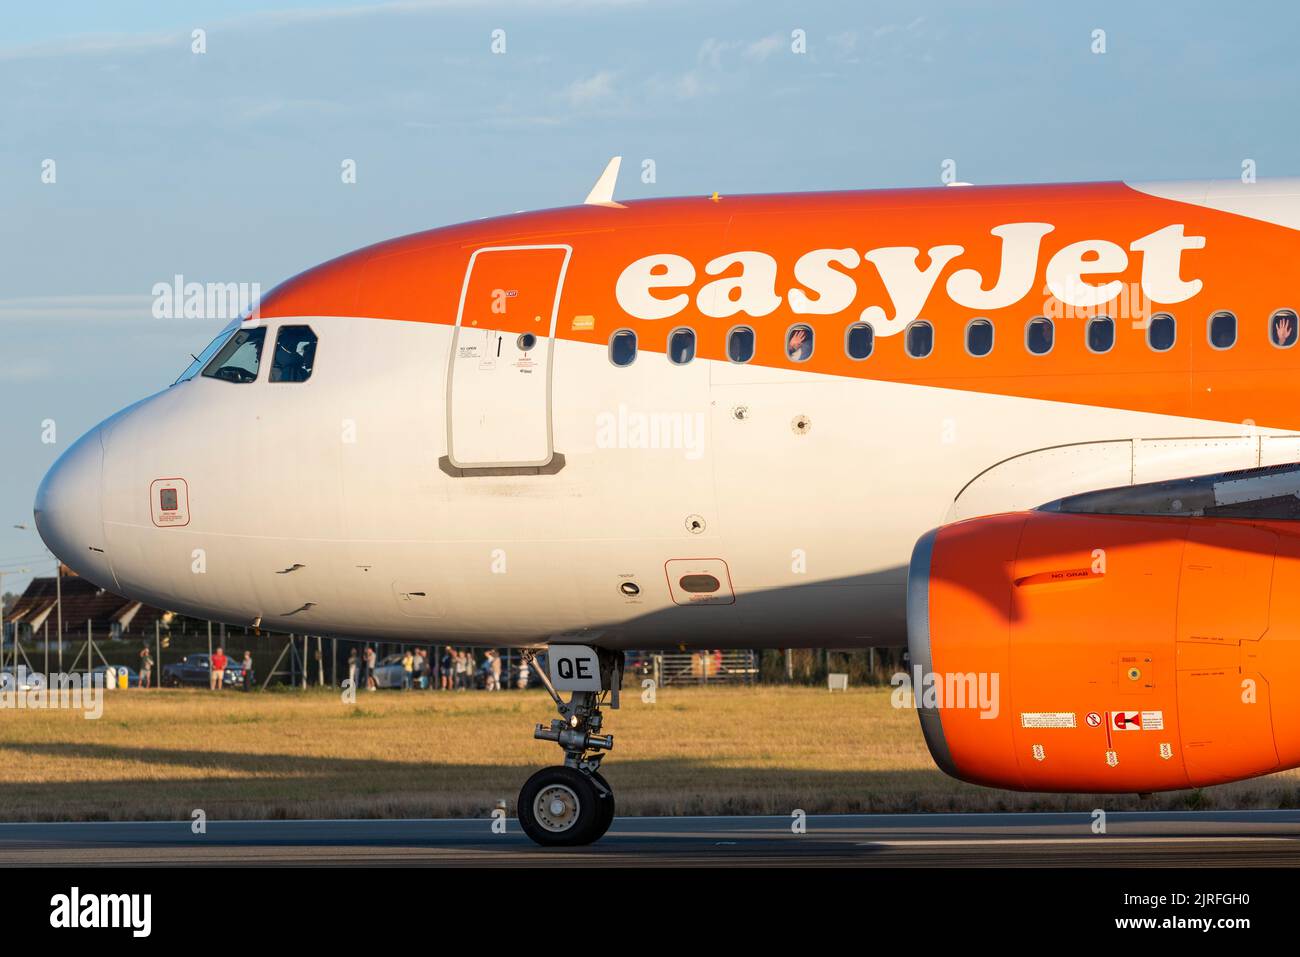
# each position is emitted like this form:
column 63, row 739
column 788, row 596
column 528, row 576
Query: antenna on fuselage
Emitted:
column 602, row 194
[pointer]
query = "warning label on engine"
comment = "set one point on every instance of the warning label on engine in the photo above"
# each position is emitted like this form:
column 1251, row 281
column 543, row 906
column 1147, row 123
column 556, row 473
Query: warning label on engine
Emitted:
column 1137, row 720
column 1125, row 720
column 1047, row 719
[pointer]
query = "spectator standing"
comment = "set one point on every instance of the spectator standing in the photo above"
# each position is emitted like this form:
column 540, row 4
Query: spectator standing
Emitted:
column 217, row 670
column 247, row 665
column 445, row 667
column 371, row 684
column 408, row 670
column 521, row 680
column 146, row 665
column 494, row 669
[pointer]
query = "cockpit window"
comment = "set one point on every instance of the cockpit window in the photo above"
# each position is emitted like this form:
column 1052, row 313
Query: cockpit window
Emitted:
column 295, row 353
column 205, row 356
column 238, row 360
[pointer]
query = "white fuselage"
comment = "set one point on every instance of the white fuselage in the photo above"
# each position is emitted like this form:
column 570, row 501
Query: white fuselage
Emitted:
column 329, row 506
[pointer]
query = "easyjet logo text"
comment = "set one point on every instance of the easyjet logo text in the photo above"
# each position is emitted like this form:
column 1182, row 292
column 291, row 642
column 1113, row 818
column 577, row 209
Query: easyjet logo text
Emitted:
column 660, row 286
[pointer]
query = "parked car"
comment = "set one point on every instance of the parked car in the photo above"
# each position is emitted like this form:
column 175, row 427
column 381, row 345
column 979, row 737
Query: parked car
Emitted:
column 389, row 672
column 195, row 670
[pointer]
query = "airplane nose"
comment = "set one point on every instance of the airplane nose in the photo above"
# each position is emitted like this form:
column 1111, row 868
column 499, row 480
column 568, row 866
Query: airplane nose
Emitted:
column 69, row 513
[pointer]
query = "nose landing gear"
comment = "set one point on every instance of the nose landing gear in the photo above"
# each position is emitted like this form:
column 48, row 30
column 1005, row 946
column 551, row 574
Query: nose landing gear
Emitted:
column 572, row 804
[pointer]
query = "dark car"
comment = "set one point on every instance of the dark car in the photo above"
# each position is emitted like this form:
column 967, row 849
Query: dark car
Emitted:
column 195, row 670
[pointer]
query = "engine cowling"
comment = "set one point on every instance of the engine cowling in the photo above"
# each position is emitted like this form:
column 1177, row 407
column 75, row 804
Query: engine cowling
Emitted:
column 1129, row 652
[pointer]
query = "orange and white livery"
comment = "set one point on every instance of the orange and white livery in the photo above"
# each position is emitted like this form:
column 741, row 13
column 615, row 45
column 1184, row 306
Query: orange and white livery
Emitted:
column 727, row 421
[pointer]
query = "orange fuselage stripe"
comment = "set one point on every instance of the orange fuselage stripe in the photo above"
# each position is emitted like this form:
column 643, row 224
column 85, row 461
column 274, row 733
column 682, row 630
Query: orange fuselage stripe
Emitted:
column 1246, row 266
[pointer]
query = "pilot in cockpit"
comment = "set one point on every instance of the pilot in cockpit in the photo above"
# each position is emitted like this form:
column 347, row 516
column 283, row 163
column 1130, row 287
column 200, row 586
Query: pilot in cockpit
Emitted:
column 295, row 348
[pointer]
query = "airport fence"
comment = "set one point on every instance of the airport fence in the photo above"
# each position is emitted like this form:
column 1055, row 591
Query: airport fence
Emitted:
column 700, row 667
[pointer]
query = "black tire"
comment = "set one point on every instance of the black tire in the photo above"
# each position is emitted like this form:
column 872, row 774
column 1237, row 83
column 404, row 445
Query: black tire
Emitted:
column 573, row 811
column 606, row 806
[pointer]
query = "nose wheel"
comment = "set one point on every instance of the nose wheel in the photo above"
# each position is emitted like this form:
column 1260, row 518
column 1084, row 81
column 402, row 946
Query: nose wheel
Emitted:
column 572, row 804
column 564, row 807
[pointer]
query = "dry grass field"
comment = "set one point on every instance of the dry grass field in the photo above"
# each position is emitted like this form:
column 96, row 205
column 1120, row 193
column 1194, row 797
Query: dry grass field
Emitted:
column 161, row 754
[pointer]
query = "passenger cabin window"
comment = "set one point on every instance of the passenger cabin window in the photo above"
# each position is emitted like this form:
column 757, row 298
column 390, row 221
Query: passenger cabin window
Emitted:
column 979, row 337
column 239, row 359
column 919, row 339
column 295, row 354
column 859, row 340
column 681, row 346
column 1222, row 330
column 1100, row 334
column 1282, row 327
column 1162, row 332
column 740, row 344
column 799, row 343
column 1040, row 335
column 622, row 347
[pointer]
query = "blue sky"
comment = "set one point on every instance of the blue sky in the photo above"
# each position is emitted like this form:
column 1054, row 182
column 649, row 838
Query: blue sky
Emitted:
column 225, row 166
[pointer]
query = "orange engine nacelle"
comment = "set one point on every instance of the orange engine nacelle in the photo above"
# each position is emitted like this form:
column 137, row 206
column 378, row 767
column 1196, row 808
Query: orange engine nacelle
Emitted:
column 1117, row 653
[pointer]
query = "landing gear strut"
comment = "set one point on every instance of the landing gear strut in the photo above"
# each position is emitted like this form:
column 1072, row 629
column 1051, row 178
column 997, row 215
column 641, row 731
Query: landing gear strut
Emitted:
column 572, row 804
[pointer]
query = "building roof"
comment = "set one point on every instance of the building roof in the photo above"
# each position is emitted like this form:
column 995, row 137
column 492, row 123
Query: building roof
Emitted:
column 82, row 601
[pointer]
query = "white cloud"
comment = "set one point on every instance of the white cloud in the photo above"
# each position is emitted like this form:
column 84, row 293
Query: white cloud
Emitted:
column 885, row 29
column 31, row 369
column 711, row 52
column 108, row 43
column 844, row 42
column 95, row 44
column 688, row 86
column 592, row 91
column 274, row 107
column 93, row 306
column 762, row 49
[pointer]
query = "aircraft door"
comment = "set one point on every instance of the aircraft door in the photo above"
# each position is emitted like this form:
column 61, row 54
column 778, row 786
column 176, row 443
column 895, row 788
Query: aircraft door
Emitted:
column 499, row 379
